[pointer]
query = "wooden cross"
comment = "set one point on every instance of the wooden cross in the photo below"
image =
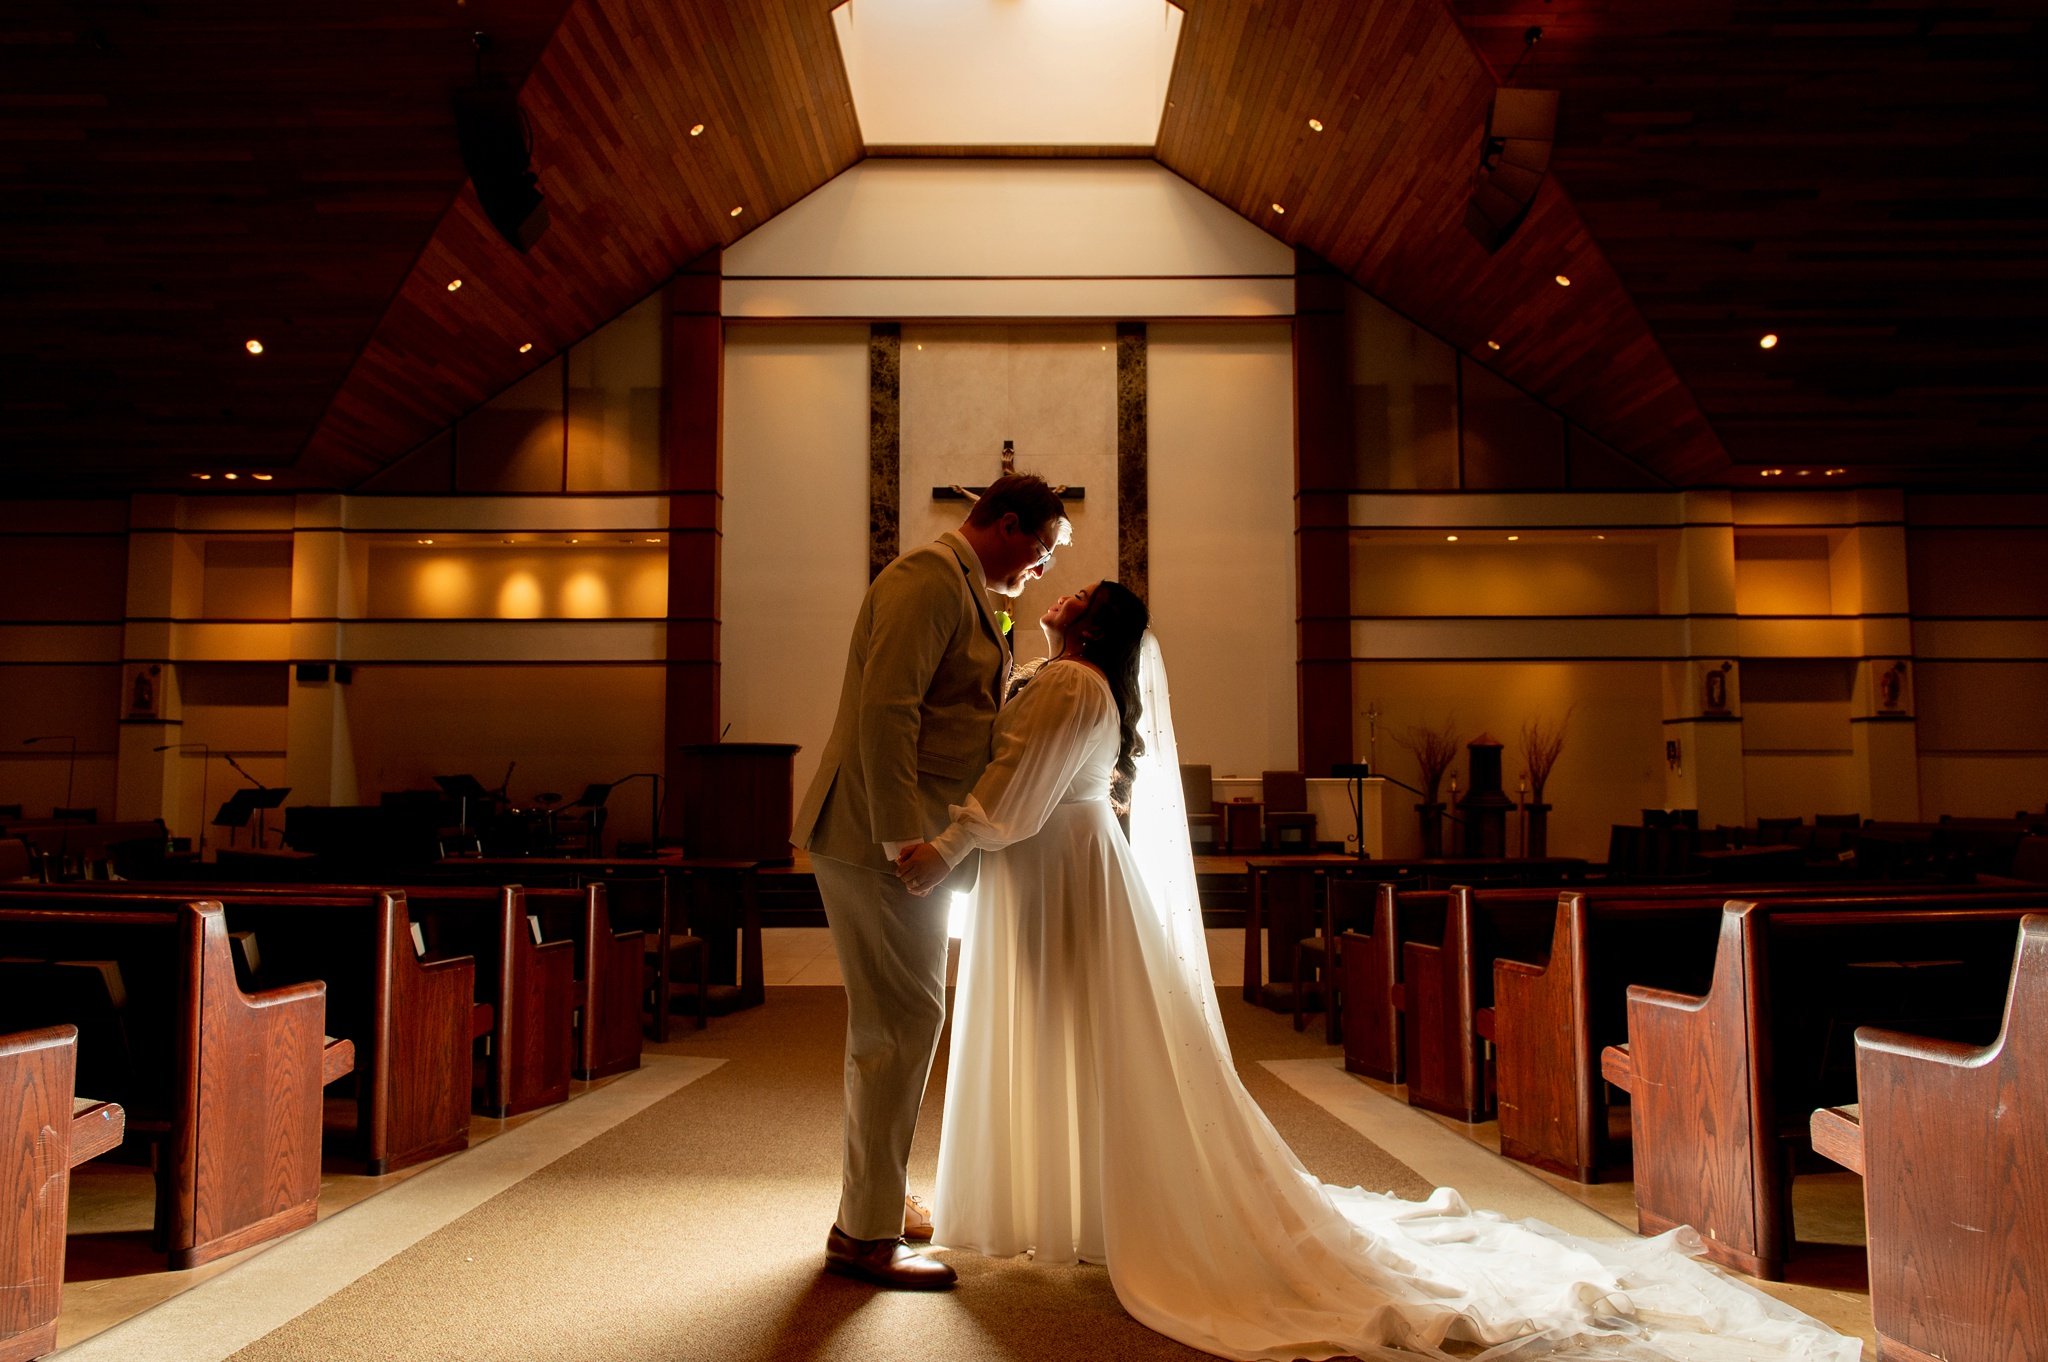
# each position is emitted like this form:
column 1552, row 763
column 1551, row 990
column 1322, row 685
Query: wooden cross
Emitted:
column 958, row 493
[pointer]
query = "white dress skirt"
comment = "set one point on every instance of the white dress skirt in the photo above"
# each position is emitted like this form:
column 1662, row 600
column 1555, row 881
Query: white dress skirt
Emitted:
column 1093, row 1113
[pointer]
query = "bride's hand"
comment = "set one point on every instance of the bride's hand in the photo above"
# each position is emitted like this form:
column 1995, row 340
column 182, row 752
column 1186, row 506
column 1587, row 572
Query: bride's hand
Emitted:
column 922, row 869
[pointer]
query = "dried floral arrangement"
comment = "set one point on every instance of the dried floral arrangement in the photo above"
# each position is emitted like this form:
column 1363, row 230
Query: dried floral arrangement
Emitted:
column 1434, row 749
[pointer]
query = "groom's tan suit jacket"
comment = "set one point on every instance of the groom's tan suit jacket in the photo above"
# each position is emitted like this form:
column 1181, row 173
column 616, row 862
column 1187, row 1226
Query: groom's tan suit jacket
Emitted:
column 925, row 675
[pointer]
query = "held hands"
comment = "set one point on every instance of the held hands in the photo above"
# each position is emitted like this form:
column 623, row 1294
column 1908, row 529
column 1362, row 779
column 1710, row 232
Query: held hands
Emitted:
column 922, row 869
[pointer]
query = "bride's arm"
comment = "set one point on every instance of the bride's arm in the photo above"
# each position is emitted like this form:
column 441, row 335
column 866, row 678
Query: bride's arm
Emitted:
column 1036, row 759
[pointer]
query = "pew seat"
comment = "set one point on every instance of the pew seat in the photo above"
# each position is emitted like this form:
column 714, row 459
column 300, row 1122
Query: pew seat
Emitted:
column 1952, row 1143
column 1724, row 1084
column 224, row 1084
column 37, row 1070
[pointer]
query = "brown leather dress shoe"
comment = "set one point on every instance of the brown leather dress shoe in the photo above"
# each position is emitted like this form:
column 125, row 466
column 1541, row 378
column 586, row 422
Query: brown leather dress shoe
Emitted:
column 917, row 1221
column 885, row 1262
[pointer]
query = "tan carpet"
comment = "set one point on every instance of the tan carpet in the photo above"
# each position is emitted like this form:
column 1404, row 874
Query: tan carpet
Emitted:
column 694, row 1231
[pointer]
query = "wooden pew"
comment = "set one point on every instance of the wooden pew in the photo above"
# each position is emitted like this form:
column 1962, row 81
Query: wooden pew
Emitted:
column 1446, row 993
column 51, row 1133
column 1723, row 1083
column 227, row 1083
column 1952, row 1143
column 411, row 1021
column 1554, row 1011
column 546, row 983
column 1374, row 1039
column 608, row 976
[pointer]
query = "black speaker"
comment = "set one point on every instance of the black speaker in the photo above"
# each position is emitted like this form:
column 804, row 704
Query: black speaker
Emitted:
column 343, row 673
column 312, row 671
column 497, row 150
column 1513, row 158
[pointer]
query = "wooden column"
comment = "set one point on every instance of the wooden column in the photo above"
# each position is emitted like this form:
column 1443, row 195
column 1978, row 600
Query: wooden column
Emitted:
column 1323, row 476
column 691, row 429
column 1133, row 454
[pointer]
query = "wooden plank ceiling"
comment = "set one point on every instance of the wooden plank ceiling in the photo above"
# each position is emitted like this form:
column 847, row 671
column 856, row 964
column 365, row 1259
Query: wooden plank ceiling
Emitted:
column 176, row 179
column 1380, row 193
column 188, row 181
column 1867, row 180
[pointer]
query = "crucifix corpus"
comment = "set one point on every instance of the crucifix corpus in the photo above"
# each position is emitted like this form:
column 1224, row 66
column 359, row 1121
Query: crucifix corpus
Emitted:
column 958, row 493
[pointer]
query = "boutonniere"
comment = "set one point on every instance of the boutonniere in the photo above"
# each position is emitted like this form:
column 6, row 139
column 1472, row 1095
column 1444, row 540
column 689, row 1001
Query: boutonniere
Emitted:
column 1004, row 622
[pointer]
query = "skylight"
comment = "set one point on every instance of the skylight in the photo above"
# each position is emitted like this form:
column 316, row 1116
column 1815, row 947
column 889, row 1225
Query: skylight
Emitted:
column 1008, row 72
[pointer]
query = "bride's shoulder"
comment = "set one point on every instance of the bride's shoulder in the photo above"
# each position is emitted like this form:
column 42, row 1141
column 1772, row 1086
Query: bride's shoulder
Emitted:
column 1078, row 676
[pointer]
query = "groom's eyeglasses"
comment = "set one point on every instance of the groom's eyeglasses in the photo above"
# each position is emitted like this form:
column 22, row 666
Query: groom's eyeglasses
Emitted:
column 1045, row 553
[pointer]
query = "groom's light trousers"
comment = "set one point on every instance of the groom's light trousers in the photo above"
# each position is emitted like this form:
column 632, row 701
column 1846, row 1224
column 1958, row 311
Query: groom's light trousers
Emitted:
column 892, row 955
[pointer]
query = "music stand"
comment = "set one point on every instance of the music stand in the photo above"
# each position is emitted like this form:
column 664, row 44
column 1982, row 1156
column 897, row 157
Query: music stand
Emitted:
column 462, row 788
column 235, row 813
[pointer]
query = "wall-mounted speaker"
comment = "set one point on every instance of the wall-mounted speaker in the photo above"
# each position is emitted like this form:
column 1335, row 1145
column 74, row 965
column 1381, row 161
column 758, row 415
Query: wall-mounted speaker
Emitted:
column 343, row 673
column 1513, row 159
column 497, row 150
column 311, row 671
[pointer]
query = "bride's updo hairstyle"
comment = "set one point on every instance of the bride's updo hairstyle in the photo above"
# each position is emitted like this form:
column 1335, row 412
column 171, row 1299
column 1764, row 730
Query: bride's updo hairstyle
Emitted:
column 1110, row 634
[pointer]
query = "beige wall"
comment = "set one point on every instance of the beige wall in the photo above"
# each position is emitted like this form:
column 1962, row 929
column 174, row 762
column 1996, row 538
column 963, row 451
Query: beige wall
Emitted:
column 796, row 528
column 1221, row 490
column 607, row 580
column 1612, row 766
column 565, row 725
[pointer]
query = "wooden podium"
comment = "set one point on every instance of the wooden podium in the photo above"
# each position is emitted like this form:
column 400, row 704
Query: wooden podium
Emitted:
column 736, row 800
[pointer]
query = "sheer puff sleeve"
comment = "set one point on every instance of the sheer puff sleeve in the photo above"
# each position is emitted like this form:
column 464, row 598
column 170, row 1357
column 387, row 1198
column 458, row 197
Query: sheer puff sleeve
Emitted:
column 1042, row 741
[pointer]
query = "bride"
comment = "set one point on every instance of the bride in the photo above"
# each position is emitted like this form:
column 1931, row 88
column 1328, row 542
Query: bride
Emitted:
column 1093, row 1112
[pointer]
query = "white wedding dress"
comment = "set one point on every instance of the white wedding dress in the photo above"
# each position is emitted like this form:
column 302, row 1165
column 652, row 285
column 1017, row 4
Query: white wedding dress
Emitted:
column 1092, row 1112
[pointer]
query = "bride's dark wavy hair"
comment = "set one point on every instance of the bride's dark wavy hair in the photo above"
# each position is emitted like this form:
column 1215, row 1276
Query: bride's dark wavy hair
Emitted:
column 1112, row 635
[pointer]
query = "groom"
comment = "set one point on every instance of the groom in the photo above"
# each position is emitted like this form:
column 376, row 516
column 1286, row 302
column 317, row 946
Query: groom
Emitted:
column 925, row 675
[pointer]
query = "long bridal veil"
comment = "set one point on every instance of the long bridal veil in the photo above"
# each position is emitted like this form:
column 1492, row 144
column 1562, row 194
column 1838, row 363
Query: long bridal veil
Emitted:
column 1159, row 837
column 1219, row 1237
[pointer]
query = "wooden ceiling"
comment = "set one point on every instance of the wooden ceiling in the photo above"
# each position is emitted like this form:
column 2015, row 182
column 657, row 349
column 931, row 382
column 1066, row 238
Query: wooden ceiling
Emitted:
column 176, row 179
column 170, row 186
column 1869, row 181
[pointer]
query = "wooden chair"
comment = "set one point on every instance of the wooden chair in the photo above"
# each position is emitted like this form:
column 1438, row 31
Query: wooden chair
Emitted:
column 1205, row 815
column 74, row 815
column 1944, row 1135
column 673, row 960
column 37, row 1070
column 1289, row 824
column 1347, row 902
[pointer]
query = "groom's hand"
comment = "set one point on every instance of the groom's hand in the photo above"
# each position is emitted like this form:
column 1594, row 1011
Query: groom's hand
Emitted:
column 922, row 869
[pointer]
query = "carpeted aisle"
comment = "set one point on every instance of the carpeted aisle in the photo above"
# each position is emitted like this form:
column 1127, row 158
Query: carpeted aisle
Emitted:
column 695, row 1229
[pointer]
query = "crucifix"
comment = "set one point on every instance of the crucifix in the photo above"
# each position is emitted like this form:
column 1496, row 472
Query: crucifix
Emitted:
column 958, row 493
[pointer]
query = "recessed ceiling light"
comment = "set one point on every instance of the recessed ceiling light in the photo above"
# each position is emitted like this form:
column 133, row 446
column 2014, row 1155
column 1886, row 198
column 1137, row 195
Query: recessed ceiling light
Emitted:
column 1315, row 125
column 263, row 477
column 1450, row 539
column 1772, row 473
column 1769, row 342
column 1599, row 536
column 253, row 346
column 454, row 284
column 1278, row 209
column 203, row 477
column 1493, row 345
column 1803, row 473
column 504, row 541
column 696, row 130
column 575, row 541
column 1513, row 537
column 526, row 347
column 1564, row 281
column 231, row 476
column 653, row 539
column 426, row 541
column 737, row 211
column 1836, row 472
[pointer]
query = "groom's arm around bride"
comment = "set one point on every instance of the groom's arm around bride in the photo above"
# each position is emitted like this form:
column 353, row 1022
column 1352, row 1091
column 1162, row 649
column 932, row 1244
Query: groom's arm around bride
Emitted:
column 924, row 677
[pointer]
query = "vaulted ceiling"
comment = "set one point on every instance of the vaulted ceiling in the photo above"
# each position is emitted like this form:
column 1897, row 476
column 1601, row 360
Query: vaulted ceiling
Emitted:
column 1867, row 183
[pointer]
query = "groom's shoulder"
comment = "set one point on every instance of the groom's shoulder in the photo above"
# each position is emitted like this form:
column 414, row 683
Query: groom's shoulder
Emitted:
column 926, row 565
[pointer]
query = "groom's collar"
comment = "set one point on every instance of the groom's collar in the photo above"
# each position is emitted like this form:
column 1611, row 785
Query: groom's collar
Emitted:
column 977, row 581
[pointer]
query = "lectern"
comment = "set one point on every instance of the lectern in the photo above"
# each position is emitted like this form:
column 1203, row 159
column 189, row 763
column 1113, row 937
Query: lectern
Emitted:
column 736, row 800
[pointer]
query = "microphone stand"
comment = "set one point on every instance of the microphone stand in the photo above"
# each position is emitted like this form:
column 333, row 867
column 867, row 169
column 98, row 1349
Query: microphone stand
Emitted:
column 70, row 770
column 1361, row 772
column 205, row 780
column 262, row 829
column 653, row 806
